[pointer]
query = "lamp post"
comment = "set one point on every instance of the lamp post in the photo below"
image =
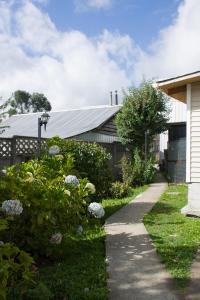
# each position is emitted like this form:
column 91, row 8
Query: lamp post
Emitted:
column 42, row 120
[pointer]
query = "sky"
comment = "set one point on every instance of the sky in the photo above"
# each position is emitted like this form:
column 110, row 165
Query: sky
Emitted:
column 77, row 51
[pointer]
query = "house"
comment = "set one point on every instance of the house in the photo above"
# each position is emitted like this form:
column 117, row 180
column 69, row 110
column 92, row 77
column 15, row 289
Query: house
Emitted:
column 90, row 124
column 186, row 88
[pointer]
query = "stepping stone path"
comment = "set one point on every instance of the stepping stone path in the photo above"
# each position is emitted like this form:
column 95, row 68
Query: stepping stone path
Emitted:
column 134, row 268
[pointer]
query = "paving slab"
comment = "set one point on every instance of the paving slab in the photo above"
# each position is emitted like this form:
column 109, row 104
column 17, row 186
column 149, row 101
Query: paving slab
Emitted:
column 134, row 268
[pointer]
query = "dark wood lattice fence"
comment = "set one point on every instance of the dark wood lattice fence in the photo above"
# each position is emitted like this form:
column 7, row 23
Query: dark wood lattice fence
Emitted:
column 18, row 149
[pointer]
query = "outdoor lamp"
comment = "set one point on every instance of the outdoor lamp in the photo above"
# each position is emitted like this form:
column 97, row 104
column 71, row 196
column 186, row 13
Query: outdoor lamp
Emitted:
column 42, row 120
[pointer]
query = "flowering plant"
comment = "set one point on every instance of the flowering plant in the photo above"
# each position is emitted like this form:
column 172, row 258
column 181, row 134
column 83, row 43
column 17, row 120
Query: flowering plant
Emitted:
column 90, row 186
column 52, row 207
column 15, row 265
column 90, row 160
column 54, row 150
column 79, row 230
column 56, row 238
column 72, row 179
column 12, row 207
column 96, row 209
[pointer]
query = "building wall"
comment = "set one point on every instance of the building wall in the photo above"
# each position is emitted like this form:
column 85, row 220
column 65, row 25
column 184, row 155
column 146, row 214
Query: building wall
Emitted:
column 176, row 154
column 108, row 128
column 195, row 133
column 106, row 133
column 178, row 114
column 92, row 136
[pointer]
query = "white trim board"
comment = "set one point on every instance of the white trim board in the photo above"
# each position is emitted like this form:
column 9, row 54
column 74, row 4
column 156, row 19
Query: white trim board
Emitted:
column 188, row 134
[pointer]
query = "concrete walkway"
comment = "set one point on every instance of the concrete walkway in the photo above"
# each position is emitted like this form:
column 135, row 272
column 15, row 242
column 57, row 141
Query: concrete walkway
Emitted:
column 135, row 270
column 193, row 291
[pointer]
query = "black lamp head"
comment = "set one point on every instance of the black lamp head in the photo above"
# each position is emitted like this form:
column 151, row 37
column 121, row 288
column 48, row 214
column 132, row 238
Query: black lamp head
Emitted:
column 44, row 119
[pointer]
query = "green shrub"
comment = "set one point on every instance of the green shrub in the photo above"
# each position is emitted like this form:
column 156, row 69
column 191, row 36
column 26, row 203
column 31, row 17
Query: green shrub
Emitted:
column 52, row 208
column 90, row 160
column 119, row 189
column 40, row 292
column 15, row 266
column 138, row 171
column 126, row 170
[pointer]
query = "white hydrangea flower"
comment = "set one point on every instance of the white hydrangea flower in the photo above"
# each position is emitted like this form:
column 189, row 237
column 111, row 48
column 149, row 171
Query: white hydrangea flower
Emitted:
column 53, row 150
column 96, row 209
column 72, row 179
column 90, row 186
column 67, row 192
column 79, row 230
column 56, row 238
column 4, row 172
column 30, row 177
column 1, row 243
column 12, row 207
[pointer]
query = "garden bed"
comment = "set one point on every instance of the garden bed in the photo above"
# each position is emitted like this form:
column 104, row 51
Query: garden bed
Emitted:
column 81, row 274
column 175, row 236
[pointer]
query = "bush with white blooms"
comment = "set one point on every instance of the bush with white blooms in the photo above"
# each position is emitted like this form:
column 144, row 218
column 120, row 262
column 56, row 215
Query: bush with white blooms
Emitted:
column 96, row 209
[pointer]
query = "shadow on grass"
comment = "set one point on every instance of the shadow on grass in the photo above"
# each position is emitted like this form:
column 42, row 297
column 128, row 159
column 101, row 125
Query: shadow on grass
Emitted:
column 177, row 258
column 80, row 272
column 164, row 207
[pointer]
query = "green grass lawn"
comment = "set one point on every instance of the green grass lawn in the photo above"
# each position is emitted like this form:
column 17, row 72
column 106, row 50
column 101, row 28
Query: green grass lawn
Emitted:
column 81, row 274
column 175, row 236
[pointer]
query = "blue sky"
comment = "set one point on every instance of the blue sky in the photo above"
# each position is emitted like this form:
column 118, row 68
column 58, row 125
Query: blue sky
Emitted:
column 77, row 51
column 141, row 19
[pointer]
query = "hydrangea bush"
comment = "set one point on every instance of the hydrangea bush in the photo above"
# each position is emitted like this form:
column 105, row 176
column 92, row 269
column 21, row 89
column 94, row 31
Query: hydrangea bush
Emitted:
column 90, row 160
column 51, row 202
column 15, row 265
column 42, row 202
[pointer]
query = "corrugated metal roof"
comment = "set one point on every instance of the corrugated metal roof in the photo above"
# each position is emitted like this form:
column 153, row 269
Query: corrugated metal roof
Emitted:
column 65, row 124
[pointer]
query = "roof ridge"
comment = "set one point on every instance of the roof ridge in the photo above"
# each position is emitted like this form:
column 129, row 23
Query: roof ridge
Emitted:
column 72, row 109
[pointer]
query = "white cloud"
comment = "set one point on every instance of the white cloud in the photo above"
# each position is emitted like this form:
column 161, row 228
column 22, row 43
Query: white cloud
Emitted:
column 176, row 50
column 74, row 70
column 84, row 5
column 99, row 3
column 68, row 67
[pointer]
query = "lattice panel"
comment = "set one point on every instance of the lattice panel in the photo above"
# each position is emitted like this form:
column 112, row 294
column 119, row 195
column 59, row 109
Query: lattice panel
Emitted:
column 5, row 148
column 28, row 146
column 25, row 146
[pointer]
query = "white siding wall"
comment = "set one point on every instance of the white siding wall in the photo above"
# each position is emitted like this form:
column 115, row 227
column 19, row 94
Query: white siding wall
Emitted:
column 178, row 114
column 195, row 133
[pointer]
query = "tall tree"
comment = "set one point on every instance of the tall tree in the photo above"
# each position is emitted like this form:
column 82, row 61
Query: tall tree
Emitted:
column 23, row 102
column 145, row 109
column 19, row 103
column 40, row 103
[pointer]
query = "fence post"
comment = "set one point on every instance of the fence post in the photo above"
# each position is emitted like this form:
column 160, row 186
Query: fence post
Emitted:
column 13, row 150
